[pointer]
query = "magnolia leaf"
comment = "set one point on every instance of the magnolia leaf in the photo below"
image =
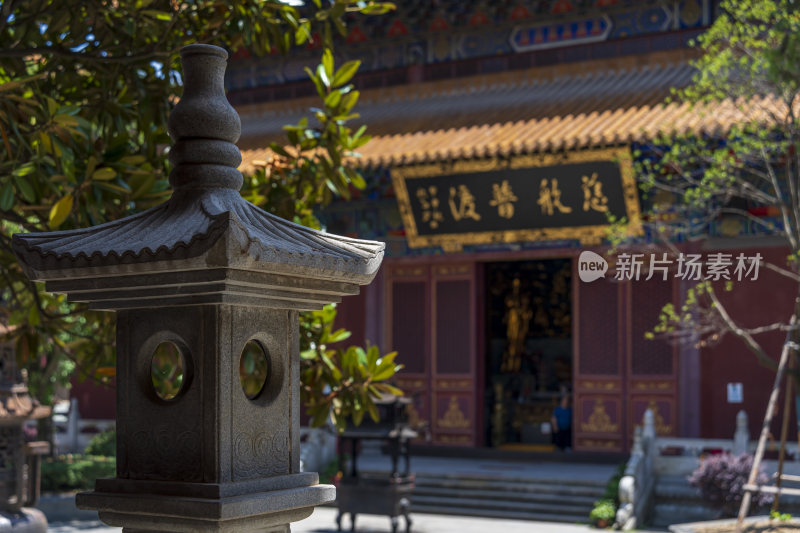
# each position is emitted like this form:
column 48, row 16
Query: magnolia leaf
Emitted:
column 145, row 186
column 327, row 63
column 66, row 120
column 133, row 159
column 385, row 372
column 338, row 335
column 373, row 411
column 104, row 174
column 348, row 101
column 333, row 99
column 6, row 196
column 33, row 316
column 25, row 187
column 60, row 211
column 346, row 72
column 378, row 9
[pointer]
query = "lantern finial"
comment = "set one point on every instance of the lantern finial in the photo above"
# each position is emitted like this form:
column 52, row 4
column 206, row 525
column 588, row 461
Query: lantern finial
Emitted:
column 203, row 125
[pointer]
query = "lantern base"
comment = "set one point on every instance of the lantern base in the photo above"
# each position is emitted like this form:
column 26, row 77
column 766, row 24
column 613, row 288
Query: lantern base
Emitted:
column 266, row 505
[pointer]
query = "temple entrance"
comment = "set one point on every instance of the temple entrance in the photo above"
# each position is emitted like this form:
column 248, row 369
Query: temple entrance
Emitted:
column 529, row 359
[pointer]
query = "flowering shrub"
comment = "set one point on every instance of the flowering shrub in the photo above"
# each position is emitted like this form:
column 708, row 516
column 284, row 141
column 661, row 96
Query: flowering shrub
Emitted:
column 721, row 479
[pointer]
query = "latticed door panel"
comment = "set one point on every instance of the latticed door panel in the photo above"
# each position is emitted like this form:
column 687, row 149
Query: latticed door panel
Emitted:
column 431, row 323
column 652, row 366
column 598, row 416
column 454, row 351
column 408, row 332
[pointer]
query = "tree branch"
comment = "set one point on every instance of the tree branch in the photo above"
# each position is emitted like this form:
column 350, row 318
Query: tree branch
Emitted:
column 81, row 56
column 743, row 334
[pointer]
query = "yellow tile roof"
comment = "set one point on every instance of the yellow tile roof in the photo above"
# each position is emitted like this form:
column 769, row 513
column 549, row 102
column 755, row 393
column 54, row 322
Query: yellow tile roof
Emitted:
column 562, row 107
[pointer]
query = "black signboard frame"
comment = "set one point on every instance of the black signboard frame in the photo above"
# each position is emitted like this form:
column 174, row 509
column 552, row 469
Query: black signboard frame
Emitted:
column 588, row 230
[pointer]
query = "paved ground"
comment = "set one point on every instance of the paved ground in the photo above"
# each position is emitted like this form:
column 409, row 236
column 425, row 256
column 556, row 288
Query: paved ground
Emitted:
column 324, row 521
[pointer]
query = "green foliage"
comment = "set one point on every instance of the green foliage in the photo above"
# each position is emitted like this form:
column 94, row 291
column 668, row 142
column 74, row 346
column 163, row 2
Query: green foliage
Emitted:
column 166, row 370
column 612, row 487
column 338, row 383
column 331, row 474
column 603, row 511
column 104, row 443
column 75, row 472
column 781, row 517
column 85, row 91
column 315, row 163
column 748, row 67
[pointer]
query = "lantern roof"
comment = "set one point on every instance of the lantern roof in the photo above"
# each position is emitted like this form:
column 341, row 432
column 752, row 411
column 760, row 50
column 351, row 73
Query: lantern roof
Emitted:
column 206, row 244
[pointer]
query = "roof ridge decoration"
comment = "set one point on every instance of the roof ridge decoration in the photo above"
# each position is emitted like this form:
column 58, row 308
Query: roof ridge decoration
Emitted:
column 206, row 224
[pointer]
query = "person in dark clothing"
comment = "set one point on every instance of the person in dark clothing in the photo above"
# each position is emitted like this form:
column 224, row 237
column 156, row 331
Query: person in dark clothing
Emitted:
column 562, row 424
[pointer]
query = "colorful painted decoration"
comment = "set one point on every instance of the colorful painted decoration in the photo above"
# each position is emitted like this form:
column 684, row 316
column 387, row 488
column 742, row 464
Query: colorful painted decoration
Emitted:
column 537, row 36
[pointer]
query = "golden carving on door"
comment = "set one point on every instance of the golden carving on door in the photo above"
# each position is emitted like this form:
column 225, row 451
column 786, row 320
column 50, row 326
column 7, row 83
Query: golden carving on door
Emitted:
column 454, row 418
column 599, row 421
column 413, row 416
column 661, row 427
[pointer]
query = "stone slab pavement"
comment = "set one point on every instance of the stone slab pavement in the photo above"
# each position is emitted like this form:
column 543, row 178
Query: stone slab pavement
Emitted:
column 323, row 521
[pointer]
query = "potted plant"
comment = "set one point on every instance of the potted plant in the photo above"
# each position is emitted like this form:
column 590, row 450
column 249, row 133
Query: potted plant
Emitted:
column 603, row 513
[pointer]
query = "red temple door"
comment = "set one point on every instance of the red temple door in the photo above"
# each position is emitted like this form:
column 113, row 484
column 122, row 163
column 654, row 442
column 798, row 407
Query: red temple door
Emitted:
column 653, row 364
column 599, row 339
column 432, row 324
column 454, row 351
column 408, row 332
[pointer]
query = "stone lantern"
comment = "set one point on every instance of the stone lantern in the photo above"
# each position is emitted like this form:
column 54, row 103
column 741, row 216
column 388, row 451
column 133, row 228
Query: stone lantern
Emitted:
column 208, row 286
column 19, row 460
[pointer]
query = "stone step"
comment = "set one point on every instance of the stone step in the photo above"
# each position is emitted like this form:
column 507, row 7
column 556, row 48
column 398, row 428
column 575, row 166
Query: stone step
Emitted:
column 520, row 496
column 417, row 507
column 567, row 490
column 498, row 495
column 501, row 478
column 477, row 504
column 574, row 486
column 666, row 514
column 668, row 491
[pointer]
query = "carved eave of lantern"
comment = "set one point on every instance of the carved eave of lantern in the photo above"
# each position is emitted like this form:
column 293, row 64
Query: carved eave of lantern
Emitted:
column 204, row 245
column 206, row 274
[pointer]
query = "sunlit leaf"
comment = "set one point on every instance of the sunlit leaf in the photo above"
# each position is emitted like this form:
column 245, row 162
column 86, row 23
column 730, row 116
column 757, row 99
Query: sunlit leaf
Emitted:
column 60, row 211
column 345, row 73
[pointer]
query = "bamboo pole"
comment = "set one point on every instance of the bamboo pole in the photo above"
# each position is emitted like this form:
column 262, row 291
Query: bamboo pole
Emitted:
column 762, row 440
column 787, row 407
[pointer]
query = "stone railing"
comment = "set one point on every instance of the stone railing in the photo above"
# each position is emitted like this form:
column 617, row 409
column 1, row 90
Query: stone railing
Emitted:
column 636, row 485
column 317, row 448
column 653, row 456
column 73, row 433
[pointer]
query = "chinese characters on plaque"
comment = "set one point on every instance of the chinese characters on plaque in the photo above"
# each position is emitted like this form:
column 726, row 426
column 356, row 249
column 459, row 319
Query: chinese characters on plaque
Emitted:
column 570, row 196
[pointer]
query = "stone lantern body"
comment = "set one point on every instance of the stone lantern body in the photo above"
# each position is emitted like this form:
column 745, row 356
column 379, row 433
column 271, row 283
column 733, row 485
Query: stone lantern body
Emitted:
column 208, row 275
column 19, row 460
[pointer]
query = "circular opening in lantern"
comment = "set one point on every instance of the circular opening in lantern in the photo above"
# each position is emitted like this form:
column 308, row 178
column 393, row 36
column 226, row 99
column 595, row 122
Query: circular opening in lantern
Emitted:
column 167, row 370
column 253, row 369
